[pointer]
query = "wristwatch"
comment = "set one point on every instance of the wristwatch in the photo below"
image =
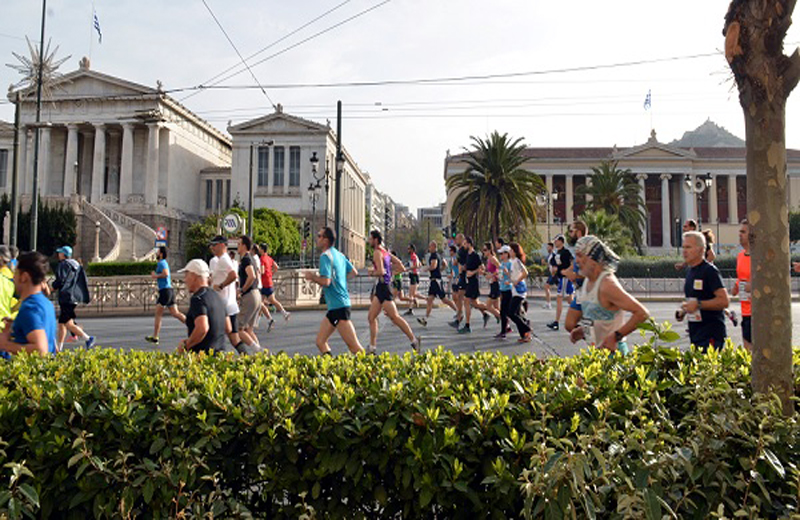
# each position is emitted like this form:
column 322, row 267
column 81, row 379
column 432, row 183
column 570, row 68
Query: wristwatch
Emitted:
column 618, row 336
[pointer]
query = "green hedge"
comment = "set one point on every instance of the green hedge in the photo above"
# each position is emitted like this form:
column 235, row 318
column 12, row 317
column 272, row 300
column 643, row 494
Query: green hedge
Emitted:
column 105, row 433
column 120, row 268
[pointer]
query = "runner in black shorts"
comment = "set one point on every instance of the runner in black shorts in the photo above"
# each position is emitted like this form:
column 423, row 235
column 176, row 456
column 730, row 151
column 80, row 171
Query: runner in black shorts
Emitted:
column 435, row 290
column 493, row 276
column 413, row 279
column 461, row 284
column 472, row 270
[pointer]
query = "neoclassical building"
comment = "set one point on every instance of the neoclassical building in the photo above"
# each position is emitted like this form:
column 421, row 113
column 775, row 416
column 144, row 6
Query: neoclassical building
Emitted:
column 670, row 178
column 129, row 151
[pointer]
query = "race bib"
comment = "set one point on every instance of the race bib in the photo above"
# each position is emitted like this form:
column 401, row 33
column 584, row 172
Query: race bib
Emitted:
column 698, row 285
column 744, row 295
column 694, row 317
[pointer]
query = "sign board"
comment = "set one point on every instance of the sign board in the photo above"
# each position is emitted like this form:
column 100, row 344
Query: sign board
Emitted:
column 231, row 223
column 161, row 233
column 233, row 243
column 161, row 243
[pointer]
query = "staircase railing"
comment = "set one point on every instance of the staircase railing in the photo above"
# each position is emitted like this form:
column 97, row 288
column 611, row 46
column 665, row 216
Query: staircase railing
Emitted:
column 139, row 230
column 95, row 214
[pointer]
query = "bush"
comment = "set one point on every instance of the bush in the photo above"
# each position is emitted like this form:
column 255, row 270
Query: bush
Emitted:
column 107, row 433
column 120, row 268
column 57, row 226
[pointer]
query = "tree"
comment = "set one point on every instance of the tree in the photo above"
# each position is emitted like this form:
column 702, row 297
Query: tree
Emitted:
column 754, row 34
column 617, row 193
column 608, row 228
column 494, row 189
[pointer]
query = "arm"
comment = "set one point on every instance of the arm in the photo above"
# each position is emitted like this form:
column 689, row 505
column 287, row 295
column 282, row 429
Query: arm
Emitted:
column 199, row 332
column 614, row 296
column 318, row 279
column 735, row 290
column 377, row 263
column 37, row 342
column 711, row 255
column 352, row 273
column 432, row 266
column 163, row 274
column 719, row 302
column 522, row 276
column 251, row 278
column 228, row 279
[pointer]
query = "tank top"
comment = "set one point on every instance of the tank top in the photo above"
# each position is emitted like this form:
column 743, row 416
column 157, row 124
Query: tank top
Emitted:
column 492, row 270
column 414, row 260
column 387, row 268
column 604, row 321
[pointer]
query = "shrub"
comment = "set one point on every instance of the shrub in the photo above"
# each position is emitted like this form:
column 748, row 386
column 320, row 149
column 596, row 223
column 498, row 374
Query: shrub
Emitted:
column 107, row 433
column 120, row 268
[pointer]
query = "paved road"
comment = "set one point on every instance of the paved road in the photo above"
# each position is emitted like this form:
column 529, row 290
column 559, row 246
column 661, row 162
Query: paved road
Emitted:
column 297, row 335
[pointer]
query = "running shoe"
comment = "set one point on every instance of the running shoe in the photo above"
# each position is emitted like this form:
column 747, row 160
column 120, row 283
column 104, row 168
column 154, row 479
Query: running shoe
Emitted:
column 486, row 317
column 423, row 322
column 371, row 350
column 465, row 329
column 553, row 325
column 416, row 344
column 453, row 323
column 270, row 324
column 151, row 339
column 409, row 312
column 90, row 342
column 525, row 339
column 734, row 318
column 502, row 335
column 287, row 315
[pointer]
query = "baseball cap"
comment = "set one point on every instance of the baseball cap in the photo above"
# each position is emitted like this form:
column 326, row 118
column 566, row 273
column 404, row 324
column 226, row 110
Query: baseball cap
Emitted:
column 198, row 267
column 504, row 249
column 219, row 239
column 65, row 250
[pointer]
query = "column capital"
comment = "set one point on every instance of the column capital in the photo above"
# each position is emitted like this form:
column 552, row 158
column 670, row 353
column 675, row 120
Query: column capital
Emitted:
column 72, row 126
column 666, row 176
column 641, row 176
column 127, row 125
column 99, row 125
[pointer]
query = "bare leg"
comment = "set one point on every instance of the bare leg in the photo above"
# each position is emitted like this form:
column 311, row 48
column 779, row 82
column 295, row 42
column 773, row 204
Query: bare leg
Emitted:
column 348, row 333
column 372, row 317
column 73, row 328
column 62, row 333
column 468, row 304
column 157, row 325
column 573, row 317
column 274, row 301
column 325, row 331
column 450, row 303
column 559, row 304
column 265, row 309
column 547, row 293
column 391, row 311
column 428, row 307
column 177, row 314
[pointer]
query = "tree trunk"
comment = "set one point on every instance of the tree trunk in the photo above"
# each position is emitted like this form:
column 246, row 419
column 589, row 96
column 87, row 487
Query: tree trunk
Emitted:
column 754, row 32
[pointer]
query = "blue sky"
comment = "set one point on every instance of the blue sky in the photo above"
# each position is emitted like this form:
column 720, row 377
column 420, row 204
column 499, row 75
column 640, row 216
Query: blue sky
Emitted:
column 400, row 133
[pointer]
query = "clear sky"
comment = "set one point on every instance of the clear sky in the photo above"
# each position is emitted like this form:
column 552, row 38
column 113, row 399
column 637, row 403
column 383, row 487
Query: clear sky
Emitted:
column 400, row 133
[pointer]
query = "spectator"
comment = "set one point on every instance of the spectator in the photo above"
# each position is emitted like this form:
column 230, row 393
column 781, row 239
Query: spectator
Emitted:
column 34, row 329
column 73, row 288
column 706, row 296
column 207, row 319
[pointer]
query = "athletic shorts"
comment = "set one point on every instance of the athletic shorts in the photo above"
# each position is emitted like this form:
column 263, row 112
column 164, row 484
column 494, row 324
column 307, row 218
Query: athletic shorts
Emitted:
column 383, row 293
column 397, row 284
column 472, row 289
column 703, row 334
column 747, row 330
column 234, row 323
column 575, row 305
column 551, row 280
column 249, row 310
column 166, row 297
column 494, row 290
column 413, row 279
column 455, row 287
column 564, row 287
column 266, row 292
column 462, row 282
column 336, row 315
column 435, row 289
column 66, row 312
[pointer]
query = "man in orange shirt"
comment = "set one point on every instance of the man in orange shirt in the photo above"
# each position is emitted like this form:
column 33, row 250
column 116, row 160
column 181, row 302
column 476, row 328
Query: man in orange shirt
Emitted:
column 742, row 287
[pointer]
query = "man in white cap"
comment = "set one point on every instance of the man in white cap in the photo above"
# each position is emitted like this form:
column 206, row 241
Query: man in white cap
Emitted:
column 223, row 281
column 72, row 289
column 207, row 320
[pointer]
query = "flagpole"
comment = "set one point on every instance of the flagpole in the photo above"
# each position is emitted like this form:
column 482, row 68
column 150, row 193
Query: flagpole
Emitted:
column 91, row 32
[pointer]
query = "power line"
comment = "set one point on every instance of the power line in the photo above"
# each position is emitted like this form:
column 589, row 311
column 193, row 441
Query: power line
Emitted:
column 221, row 28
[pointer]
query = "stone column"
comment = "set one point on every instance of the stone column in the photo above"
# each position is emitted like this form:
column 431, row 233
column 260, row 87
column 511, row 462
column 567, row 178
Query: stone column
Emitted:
column 71, row 160
column 570, row 214
column 588, row 184
column 713, row 213
column 548, row 182
column 151, row 178
column 99, row 162
column 22, row 161
column 666, row 223
column 126, row 164
column 44, row 161
column 733, row 202
column 642, row 178
column 689, row 199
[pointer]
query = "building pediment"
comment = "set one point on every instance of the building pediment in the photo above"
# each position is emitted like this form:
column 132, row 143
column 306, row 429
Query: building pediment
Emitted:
column 278, row 122
column 86, row 83
column 654, row 151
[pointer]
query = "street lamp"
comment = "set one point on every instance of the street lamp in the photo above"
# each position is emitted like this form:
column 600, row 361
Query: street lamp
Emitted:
column 312, row 194
column 338, row 202
column 250, row 199
column 547, row 199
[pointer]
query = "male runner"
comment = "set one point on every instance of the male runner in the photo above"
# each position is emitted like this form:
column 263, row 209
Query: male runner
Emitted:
column 435, row 290
column 743, row 283
column 563, row 260
column 577, row 230
column 166, row 294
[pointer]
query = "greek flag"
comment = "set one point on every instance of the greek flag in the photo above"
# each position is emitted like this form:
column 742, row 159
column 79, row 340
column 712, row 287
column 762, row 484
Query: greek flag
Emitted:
column 647, row 101
column 97, row 27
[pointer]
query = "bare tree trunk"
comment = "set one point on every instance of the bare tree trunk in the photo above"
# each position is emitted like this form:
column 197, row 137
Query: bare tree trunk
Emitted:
column 754, row 32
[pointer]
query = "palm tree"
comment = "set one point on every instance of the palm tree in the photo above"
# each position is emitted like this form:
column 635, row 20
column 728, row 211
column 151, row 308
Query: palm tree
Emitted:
column 495, row 190
column 618, row 193
column 608, row 228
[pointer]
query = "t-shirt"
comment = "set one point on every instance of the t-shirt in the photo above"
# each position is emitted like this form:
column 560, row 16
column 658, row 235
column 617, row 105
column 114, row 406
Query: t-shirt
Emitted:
column 473, row 261
column 505, row 276
column 267, row 265
column 220, row 267
column 743, row 277
column 701, row 283
column 462, row 255
column 436, row 274
column 413, row 261
column 517, row 270
column 206, row 302
column 8, row 299
column 563, row 258
column 35, row 313
column 161, row 266
column 335, row 266
column 244, row 263
column 454, row 265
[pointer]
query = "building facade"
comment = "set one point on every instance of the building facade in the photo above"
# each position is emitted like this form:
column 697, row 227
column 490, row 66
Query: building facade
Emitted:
column 434, row 214
column 275, row 151
column 671, row 180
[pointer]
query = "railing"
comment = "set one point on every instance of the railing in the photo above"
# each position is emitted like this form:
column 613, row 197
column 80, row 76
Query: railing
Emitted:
column 96, row 215
column 138, row 229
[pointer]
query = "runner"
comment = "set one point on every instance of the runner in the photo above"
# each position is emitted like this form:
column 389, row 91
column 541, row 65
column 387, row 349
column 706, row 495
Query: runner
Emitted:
column 576, row 231
column 549, row 262
column 518, row 275
column 743, row 288
column 397, row 285
column 493, row 277
column 73, row 289
column 166, row 294
column 563, row 262
column 223, row 278
column 382, row 296
column 454, row 282
column 472, row 270
column 249, row 297
column 8, row 303
column 505, row 290
column 461, row 259
column 435, row 289
column 268, row 269
column 334, row 270
column 207, row 319
column 34, row 329
column 413, row 279
column 603, row 299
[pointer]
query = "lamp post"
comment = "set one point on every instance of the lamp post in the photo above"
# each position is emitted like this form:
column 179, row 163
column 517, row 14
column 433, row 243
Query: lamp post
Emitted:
column 678, row 235
column 312, row 189
column 250, row 198
column 339, row 169
column 35, row 196
column 546, row 199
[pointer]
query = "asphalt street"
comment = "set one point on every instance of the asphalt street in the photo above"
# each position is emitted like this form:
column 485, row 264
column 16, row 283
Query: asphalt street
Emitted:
column 297, row 335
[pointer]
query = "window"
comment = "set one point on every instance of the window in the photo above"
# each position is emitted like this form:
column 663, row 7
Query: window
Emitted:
column 3, row 168
column 209, row 194
column 280, row 153
column 219, row 194
column 228, row 194
column 294, row 166
column 263, row 165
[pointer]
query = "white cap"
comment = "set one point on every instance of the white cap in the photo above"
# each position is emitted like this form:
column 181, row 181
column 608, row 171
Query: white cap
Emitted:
column 504, row 249
column 198, row 267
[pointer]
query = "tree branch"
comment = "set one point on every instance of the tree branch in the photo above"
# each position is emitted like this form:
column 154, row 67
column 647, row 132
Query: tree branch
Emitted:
column 791, row 74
